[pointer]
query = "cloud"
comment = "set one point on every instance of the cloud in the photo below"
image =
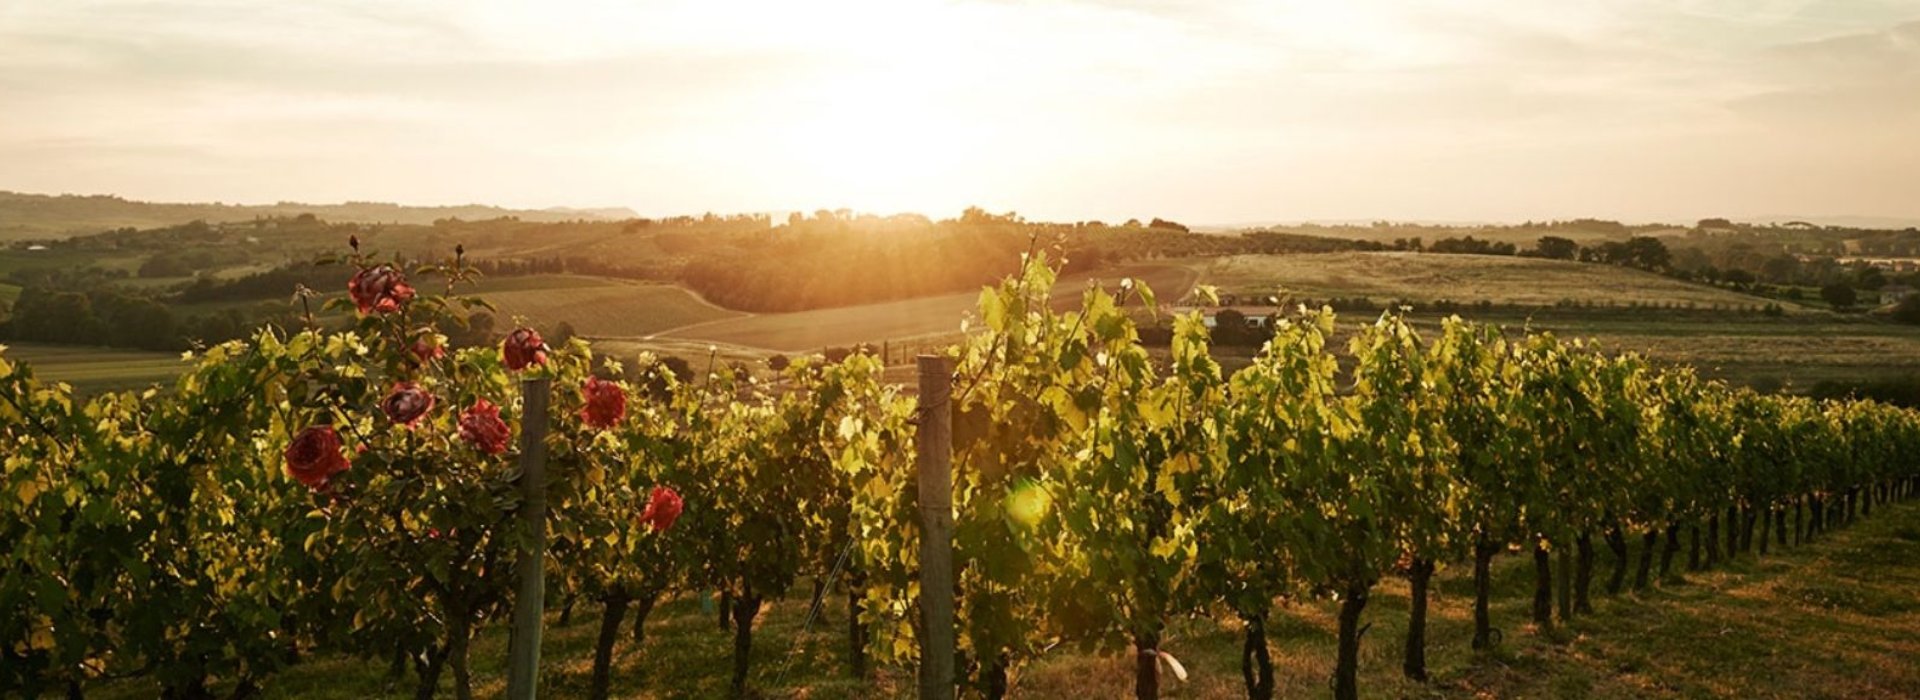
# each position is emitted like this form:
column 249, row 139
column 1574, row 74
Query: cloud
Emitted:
column 1073, row 108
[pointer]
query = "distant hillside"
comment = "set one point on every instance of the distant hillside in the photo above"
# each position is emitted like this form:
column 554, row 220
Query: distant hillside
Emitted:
column 59, row 216
column 1426, row 277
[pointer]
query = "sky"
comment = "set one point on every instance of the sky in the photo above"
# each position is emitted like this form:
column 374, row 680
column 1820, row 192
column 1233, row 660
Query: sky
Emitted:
column 1202, row 112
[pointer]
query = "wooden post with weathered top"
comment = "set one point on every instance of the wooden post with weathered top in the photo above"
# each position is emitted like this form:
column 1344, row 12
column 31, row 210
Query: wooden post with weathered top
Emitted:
column 523, row 656
column 933, row 455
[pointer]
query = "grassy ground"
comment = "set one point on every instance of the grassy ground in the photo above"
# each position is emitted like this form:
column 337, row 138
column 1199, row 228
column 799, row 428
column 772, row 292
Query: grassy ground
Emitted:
column 97, row 369
column 598, row 306
column 1385, row 276
column 1835, row 619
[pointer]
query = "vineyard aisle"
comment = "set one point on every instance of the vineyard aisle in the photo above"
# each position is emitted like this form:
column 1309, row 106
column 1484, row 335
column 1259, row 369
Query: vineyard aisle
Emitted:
column 1836, row 619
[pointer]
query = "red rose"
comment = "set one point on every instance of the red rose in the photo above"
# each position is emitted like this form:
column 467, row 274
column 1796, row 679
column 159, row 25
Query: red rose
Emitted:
column 407, row 404
column 523, row 347
column 379, row 290
column 428, row 348
column 663, row 507
column 481, row 426
column 314, row 456
column 606, row 403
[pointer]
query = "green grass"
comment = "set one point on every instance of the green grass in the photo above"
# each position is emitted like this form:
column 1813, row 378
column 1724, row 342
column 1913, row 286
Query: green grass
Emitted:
column 92, row 370
column 1426, row 277
column 9, row 293
column 806, row 331
column 1834, row 619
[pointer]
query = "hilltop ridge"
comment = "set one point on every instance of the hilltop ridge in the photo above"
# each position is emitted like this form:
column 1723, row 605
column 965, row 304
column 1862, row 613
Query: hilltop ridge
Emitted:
column 25, row 215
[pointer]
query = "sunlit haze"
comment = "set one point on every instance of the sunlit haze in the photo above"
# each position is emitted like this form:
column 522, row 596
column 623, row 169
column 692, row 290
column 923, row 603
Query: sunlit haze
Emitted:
column 1203, row 112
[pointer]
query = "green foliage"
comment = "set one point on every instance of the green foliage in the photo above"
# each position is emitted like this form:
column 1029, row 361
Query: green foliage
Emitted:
column 1097, row 491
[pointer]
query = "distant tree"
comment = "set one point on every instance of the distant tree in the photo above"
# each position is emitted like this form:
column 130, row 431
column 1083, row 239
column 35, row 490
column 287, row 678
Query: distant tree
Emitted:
column 1472, row 246
column 56, row 317
column 562, row 333
column 1715, row 223
column 1908, row 310
column 679, row 366
column 1229, row 327
column 1160, row 223
column 778, row 362
column 1869, row 277
column 1556, row 248
column 1780, row 269
column 1648, row 253
column 137, row 322
column 1839, row 295
column 978, row 216
column 1738, row 278
column 1132, row 223
column 479, row 331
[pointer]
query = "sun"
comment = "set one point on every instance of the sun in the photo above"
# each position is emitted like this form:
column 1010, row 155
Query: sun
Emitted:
column 882, row 146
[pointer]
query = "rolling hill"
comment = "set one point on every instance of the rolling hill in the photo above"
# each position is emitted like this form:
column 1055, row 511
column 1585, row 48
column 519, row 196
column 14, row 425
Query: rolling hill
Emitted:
column 872, row 323
column 1426, row 277
column 55, row 216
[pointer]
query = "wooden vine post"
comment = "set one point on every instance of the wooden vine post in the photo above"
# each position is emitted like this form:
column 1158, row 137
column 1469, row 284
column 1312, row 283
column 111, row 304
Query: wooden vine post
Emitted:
column 523, row 656
column 933, row 456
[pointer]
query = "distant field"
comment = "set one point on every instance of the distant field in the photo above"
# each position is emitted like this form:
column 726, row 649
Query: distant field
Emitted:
column 96, row 369
column 9, row 293
column 872, row 323
column 1783, row 351
column 597, row 306
column 1793, row 353
column 13, row 259
column 1522, row 237
column 1429, row 277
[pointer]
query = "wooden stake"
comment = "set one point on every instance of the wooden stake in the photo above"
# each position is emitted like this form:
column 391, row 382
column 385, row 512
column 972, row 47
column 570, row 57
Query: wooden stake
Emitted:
column 523, row 657
column 934, row 459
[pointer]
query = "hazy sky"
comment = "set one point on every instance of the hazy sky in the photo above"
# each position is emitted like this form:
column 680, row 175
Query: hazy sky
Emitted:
column 1201, row 112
